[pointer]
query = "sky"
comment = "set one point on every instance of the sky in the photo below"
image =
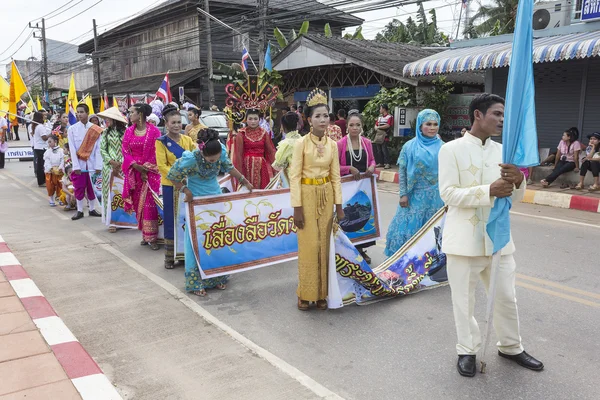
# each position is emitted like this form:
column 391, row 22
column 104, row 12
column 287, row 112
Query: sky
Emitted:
column 73, row 23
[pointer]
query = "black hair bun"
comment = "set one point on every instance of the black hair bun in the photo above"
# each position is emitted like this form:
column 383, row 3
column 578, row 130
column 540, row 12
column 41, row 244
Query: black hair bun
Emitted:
column 169, row 109
column 208, row 134
column 144, row 108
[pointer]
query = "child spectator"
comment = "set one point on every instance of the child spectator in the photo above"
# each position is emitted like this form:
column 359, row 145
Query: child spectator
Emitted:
column 3, row 148
column 591, row 162
column 67, row 196
column 54, row 168
column 567, row 156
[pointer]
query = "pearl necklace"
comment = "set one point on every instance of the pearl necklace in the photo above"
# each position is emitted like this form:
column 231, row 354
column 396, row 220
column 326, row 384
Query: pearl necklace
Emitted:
column 351, row 150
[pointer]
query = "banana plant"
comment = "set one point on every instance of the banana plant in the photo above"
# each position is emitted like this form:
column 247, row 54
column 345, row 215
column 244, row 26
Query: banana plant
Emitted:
column 328, row 32
column 357, row 35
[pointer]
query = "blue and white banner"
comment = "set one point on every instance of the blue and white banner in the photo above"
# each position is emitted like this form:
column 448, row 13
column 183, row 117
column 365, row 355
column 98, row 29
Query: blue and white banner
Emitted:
column 18, row 152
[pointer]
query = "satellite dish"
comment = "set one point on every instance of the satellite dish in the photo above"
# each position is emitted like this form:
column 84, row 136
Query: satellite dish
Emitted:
column 541, row 19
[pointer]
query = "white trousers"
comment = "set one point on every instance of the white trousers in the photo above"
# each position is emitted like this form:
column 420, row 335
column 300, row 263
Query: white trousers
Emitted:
column 463, row 274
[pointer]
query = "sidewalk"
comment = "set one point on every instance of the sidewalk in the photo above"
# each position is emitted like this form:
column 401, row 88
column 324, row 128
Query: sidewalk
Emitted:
column 553, row 196
column 39, row 356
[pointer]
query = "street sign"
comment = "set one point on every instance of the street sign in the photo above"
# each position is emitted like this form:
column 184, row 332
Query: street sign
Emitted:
column 181, row 95
column 590, row 10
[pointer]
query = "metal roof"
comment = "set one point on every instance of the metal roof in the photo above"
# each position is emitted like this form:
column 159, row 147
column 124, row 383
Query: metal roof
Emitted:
column 497, row 55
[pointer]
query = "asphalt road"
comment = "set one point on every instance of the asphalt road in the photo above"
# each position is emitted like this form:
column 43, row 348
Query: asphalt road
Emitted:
column 110, row 292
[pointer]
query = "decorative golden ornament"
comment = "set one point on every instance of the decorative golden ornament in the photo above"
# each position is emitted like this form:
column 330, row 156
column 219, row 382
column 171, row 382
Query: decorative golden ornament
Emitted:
column 317, row 96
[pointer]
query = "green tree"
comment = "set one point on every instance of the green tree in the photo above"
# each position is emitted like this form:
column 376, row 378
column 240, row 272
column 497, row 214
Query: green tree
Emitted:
column 496, row 19
column 421, row 32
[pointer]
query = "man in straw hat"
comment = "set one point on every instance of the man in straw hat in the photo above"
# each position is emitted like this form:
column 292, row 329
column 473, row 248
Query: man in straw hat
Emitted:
column 112, row 156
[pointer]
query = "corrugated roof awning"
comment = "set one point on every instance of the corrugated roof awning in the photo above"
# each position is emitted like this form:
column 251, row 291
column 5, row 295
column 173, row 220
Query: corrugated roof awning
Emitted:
column 545, row 49
column 147, row 84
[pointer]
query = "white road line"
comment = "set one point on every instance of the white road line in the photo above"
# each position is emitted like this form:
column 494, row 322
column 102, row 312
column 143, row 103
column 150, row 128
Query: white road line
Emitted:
column 15, row 185
column 271, row 358
column 59, row 214
column 564, row 221
column 32, row 197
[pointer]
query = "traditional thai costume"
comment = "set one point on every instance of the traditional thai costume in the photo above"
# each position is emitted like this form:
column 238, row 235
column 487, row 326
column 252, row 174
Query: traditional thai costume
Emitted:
column 193, row 130
column 84, row 146
column 316, row 187
column 168, row 152
column 252, row 154
column 418, row 178
column 54, row 168
column 283, row 156
column 137, row 194
column 111, row 145
column 202, row 181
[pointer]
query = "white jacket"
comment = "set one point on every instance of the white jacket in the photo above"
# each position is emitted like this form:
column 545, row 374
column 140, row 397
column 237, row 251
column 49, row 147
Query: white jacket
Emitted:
column 467, row 168
column 54, row 158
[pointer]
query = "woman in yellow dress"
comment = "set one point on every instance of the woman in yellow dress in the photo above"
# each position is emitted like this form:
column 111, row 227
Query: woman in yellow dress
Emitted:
column 169, row 148
column 315, row 188
column 285, row 148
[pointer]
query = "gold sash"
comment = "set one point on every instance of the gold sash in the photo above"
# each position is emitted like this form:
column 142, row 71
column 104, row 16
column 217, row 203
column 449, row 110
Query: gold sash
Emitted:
column 89, row 141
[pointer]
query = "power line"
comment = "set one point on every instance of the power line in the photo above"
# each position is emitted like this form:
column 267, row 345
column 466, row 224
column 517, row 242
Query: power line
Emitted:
column 75, row 16
column 59, row 8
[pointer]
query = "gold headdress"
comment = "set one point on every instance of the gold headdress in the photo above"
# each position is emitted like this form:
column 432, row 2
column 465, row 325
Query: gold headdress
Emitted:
column 315, row 97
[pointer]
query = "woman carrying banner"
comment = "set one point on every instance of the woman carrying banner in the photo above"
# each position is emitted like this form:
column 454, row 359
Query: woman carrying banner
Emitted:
column 200, row 168
column 253, row 151
column 170, row 148
column 418, row 178
column 141, row 172
column 285, row 149
column 111, row 144
column 315, row 187
column 356, row 156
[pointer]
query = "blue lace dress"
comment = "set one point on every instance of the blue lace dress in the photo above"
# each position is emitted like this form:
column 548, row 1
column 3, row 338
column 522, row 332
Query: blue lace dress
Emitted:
column 423, row 202
column 202, row 181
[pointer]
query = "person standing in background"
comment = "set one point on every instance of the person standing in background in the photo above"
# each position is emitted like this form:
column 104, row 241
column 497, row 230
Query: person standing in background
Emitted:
column 40, row 136
column 383, row 128
column 341, row 121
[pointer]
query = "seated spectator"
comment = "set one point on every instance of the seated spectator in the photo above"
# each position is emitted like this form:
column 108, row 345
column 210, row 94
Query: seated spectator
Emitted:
column 567, row 157
column 591, row 162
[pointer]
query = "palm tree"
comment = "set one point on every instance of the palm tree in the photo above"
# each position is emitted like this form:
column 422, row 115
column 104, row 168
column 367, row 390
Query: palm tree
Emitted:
column 495, row 19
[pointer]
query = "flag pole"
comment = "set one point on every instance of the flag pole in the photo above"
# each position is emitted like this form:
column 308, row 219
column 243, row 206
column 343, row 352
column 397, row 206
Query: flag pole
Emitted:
column 489, row 310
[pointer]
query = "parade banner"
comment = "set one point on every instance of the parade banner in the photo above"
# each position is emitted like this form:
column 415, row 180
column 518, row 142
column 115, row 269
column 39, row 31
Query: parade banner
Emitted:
column 418, row 265
column 123, row 103
column 18, row 152
column 116, row 215
column 242, row 231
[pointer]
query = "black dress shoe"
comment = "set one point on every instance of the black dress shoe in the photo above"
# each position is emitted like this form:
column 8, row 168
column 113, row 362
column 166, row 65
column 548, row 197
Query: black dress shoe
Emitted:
column 524, row 360
column 466, row 365
column 77, row 216
column 95, row 213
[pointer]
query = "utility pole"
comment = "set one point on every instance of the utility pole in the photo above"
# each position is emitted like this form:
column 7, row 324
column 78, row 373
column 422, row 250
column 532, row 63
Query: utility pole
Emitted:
column 467, row 19
column 96, row 59
column 263, row 6
column 209, row 55
column 42, row 38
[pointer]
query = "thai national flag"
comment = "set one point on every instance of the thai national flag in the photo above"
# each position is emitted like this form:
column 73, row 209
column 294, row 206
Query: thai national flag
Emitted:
column 164, row 91
column 245, row 57
column 72, row 117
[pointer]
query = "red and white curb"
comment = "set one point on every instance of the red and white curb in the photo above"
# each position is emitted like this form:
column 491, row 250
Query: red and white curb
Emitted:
column 539, row 197
column 80, row 367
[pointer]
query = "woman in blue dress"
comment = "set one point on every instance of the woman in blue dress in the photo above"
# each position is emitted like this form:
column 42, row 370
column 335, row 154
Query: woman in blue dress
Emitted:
column 200, row 168
column 418, row 176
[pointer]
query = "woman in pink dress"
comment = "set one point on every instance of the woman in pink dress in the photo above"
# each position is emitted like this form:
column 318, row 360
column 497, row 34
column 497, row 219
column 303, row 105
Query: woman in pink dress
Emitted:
column 141, row 172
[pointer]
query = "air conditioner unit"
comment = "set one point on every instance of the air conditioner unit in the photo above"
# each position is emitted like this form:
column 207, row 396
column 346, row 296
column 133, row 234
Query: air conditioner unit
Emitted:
column 553, row 14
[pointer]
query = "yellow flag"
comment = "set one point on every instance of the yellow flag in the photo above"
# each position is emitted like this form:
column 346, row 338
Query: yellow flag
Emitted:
column 29, row 109
column 115, row 104
column 88, row 101
column 17, row 89
column 102, row 106
column 4, row 95
column 39, row 105
column 72, row 97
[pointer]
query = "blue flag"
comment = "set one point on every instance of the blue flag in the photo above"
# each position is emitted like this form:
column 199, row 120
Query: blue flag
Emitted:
column 268, row 63
column 519, row 136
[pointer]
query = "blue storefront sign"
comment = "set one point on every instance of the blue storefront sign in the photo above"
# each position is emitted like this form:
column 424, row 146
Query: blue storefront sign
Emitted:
column 590, row 10
column 348, row 92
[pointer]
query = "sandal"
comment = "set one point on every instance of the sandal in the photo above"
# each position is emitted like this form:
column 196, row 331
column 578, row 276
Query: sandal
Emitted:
column 302, row 305
column 143, row 243
column 322, row 305
column 112, row 229
column 544, row 183
column 154, row 246
column 594, row 188
column 169, row 264
column 221, row 286
column 201, row 293
column 579, row 186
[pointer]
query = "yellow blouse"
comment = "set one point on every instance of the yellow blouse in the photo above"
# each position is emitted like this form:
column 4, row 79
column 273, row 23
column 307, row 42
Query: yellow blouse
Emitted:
column 165, row 158
column 285, row 151
column 194, row 129
column 306, row 163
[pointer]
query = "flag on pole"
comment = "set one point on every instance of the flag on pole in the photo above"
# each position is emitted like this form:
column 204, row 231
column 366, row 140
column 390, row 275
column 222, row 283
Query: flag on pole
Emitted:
column 39, row 104
column 115, row 103
column 102, row 106
column 164, row 91
column 519, row 136
column 245, row 57
column 88, row 101
column 72, row 116
column 268, row 62
column 4, row 95
column 106, row 104
column 30, row 108
column 72, row 97
column 17, row 88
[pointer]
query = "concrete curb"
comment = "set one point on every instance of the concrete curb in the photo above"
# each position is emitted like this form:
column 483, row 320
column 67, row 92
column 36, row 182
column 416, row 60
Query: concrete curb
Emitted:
column 80, row 367
column 538, row 197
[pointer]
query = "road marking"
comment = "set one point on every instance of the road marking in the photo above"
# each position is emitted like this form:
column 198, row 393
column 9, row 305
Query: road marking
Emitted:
column 559, row 286
column 25, row 288
column 32, row 197
column 14, row 178
column 59, row 214
column 15, row 185
column 558, row 294
column 564, row 221
column 96, row 387
column 3, row 177
column 54, row 330
column 271, row 358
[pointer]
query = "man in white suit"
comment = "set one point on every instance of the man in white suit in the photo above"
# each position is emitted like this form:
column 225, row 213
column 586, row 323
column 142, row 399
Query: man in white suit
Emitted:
column 471, row 177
